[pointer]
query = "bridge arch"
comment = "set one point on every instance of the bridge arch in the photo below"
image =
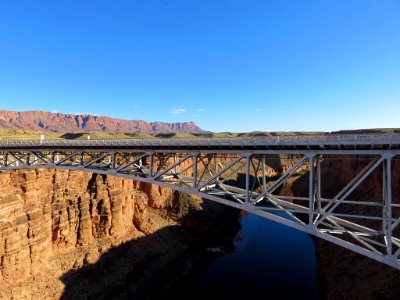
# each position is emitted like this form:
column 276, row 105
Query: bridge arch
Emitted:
column 206, row 170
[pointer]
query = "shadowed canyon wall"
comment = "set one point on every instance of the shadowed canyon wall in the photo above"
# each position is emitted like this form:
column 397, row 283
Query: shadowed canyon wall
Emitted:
column 348, row 275
column 345, row 274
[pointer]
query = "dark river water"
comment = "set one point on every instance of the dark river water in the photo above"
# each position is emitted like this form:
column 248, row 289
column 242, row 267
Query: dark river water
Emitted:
column 269, row 261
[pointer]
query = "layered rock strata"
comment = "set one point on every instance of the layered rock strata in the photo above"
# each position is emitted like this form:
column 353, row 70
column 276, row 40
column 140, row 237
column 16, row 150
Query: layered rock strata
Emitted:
column 56, row 226
column 58, row 122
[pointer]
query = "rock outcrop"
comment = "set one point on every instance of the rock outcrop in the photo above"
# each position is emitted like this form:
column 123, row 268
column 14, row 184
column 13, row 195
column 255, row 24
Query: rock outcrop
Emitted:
column 58, row 122
column 55, row 223
column 345, row 274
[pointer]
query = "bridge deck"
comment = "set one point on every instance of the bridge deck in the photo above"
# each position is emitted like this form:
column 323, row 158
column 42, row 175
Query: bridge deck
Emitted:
column 296, row 142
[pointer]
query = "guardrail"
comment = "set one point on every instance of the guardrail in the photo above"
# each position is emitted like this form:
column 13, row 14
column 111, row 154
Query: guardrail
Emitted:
column 356, row 139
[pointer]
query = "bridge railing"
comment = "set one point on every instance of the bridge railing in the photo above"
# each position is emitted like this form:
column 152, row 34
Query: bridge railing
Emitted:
column 329, row 139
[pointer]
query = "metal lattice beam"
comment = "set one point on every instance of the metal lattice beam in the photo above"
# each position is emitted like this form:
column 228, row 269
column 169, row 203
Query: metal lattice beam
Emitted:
column 238, row 173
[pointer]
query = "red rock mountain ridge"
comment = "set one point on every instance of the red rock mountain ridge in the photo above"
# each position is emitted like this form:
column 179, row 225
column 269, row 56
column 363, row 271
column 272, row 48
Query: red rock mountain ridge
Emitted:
column 58, row 122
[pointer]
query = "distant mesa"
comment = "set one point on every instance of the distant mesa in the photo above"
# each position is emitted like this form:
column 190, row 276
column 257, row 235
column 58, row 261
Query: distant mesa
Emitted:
column 63, row 123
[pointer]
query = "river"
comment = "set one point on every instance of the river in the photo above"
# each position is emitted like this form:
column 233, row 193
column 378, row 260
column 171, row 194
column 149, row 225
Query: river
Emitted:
column 269, row 261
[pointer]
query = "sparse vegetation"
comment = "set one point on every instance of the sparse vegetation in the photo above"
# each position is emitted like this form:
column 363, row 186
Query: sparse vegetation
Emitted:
column 11, row 134
column 7, row 134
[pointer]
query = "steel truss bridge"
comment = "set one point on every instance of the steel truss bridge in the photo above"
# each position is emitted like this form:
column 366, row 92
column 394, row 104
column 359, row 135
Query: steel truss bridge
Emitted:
column 251, row 174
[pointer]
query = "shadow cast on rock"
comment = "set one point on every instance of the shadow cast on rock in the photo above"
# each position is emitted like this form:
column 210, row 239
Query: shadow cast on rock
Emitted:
column 143, row 268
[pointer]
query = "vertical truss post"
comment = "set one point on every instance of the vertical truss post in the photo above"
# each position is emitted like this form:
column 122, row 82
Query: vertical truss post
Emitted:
column 151, row 164
column 176, row 167
column 387, row 201
column 264, row 179
column 319, row 206
column 311, row 188
column 112, row 157
column 216, row 168
column 248, row 192
column 195, row 170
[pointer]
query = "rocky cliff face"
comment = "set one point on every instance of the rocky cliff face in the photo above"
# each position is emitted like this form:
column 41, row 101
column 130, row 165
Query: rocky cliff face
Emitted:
column 345, row 274
column 57, row 122
column 53, row 224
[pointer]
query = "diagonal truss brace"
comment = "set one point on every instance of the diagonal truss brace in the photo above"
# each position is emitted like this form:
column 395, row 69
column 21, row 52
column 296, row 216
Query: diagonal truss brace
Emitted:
column 349, row 188
column 280, row 181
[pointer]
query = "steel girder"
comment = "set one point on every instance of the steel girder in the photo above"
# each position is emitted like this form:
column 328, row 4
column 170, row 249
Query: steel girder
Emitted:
column 255, row 181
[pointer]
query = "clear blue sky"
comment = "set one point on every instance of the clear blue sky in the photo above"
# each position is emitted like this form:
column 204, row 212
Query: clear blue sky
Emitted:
column 227, row 65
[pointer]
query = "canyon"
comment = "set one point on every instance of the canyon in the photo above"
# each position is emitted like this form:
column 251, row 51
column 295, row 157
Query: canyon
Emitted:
column 77, row 235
